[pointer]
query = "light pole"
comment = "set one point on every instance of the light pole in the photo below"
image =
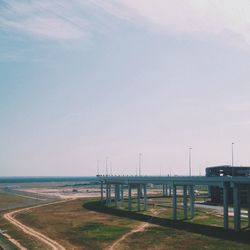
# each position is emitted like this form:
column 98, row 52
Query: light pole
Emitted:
column 232, row 158
column 139, row 164
column 232, row 154
column 111, row 169
column 106, row 165
column 190, row 161
column 98, row 170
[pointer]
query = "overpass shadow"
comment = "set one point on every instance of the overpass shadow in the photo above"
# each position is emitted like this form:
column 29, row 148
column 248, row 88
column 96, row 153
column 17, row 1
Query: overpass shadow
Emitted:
column 212, row 231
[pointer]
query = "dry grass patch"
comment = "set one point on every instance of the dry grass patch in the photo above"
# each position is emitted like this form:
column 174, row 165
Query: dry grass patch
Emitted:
column 73, row 226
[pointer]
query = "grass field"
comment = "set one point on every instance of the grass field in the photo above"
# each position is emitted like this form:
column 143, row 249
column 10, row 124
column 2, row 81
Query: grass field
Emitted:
column 87, row 224
column 11, row 201
column 76, row 227
column 6, row 245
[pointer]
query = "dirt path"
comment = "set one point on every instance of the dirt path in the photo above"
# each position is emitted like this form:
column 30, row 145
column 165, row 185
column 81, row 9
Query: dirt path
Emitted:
column 15, row 242
column 10, row 216
column 141, row 228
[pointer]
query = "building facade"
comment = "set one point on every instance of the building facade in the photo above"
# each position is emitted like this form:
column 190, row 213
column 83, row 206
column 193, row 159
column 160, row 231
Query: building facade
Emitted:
column 216, row 193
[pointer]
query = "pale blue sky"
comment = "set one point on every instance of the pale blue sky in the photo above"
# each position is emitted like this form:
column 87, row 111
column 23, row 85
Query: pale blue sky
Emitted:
column 80, row 81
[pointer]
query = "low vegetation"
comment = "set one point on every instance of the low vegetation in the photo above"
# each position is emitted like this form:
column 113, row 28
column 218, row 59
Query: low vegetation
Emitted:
column 5, row 244
column 10, row 201
column 88, row 224
column 76, row 227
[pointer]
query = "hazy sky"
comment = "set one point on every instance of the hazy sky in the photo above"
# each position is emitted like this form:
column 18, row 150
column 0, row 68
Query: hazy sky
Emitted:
column 82, row 80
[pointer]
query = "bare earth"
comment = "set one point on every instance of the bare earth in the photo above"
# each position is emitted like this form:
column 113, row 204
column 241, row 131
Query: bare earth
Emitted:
column 64, row 193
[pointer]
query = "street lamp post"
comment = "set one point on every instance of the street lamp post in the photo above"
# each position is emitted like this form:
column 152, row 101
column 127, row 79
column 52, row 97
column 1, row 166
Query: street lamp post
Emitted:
column 232, row 158
column 106, row 165
column 111, row 168
column 190, row 161
column 140, row 164
column 98, row 168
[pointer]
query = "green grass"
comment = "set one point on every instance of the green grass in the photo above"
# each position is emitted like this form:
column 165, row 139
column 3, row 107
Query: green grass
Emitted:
column 170, row 238
column 100, row 231
column 87, row 224
column 205, row 231
column 11, row 201
column 80, row 228
column 26, row 240
column 92, row 235
column 6, row 244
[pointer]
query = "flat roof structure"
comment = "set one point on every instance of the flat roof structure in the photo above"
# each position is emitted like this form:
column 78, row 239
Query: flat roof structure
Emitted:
column 228, row 170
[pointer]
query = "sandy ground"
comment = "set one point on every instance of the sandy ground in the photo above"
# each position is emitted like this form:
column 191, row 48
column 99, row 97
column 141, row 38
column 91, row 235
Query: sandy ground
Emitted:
column 63, row 193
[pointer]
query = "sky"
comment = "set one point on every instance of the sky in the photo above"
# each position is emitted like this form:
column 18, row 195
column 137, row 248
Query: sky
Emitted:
column 86, row 81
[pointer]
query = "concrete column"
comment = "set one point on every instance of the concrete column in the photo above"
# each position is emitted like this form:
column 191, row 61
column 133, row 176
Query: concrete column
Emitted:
column 225, row 205
column 192, row 198
column 116, row 194
column 248, row 202
column 174, row 203
column 129, row 197
column 185, row 202
column 236, row 200
column 140, row 190
column 145, row 196
column 122, row 193
column 110, row 193
column 163, row 190
column 166, row 190
column 101, row 191
column 107, row 194
column 139, row 198
column 170, row 191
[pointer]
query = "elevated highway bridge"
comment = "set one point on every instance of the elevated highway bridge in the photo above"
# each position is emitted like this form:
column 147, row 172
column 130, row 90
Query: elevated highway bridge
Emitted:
column 170, row 184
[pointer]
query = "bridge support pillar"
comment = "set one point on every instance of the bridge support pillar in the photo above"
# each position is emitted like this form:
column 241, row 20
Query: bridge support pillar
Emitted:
column 170, row 191
column 185, row 202
column 122, row 189
column 192, row 199
column 248, row 202
column 129, row 197
column 139, row 198
column 145, row 196
column 116, row 194
column 225, row 205
column 174, row 203
column 236, row 200
column 109, row 194
column 101, row 191
column 163, row 190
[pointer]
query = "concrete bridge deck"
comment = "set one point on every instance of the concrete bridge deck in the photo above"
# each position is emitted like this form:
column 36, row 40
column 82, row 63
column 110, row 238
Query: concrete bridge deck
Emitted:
column 170, row 184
